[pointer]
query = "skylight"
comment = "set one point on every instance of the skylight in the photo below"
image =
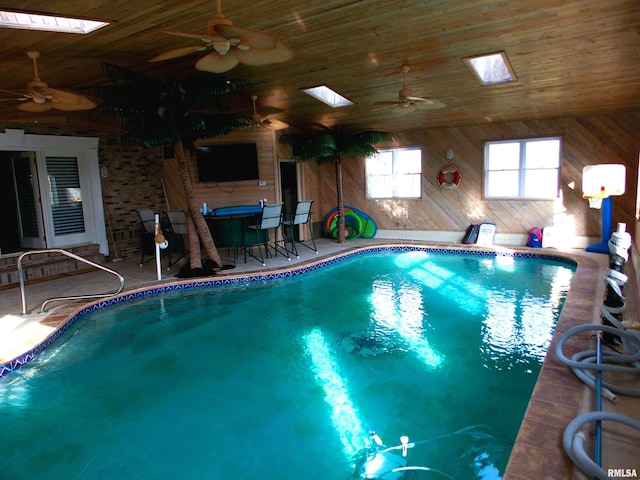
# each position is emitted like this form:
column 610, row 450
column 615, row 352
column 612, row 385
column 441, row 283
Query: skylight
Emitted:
column 491, row 68
column 328, row 96
column 48, row 23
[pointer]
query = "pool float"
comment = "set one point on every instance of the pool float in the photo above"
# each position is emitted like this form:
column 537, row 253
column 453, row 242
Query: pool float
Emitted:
column 357, row 223
column 370, row 228
column 352, row 224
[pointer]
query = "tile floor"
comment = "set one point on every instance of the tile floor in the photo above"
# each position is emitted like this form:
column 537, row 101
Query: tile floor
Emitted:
column 558, row 396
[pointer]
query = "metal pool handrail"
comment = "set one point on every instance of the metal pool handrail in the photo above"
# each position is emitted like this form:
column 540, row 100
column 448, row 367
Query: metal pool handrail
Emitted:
column 73, row 297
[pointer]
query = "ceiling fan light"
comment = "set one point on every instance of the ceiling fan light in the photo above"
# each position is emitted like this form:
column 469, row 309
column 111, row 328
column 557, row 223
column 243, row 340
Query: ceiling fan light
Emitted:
column 39, row 99
column 404, row 109
column 222, row 46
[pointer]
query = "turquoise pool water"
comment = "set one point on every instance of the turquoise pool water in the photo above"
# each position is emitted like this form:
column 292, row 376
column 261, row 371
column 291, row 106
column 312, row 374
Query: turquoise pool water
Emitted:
column 283, row 379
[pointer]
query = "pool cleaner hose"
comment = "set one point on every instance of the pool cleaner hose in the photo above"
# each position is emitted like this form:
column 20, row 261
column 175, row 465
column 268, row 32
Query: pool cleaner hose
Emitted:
column 574, row 440
column 584, row 364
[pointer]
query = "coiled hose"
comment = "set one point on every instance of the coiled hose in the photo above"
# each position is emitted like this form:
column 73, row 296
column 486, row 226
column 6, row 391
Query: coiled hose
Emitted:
column 573, row 440
column 583, row 364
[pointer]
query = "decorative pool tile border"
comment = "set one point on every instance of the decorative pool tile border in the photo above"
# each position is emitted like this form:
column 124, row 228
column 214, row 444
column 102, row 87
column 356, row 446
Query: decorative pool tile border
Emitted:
column 249, row 278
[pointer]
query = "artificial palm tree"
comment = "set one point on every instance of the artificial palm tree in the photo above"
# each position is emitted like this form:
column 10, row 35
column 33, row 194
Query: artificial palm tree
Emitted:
column 331, row 146
column 175, row 113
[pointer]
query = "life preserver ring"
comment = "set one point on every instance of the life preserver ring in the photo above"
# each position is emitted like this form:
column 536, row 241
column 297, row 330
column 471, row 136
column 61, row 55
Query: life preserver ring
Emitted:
column 454, row 179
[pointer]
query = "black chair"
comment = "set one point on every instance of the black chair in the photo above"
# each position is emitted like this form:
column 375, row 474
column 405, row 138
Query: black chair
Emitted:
column 147, row 233
column 258, row 234
column 175, row 232
column 302, row 216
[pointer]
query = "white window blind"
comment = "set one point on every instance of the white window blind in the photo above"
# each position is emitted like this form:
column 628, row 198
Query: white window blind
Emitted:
column 65, row 195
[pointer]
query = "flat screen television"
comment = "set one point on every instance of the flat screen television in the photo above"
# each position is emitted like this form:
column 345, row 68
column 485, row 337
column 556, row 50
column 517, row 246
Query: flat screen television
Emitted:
column 227, row 162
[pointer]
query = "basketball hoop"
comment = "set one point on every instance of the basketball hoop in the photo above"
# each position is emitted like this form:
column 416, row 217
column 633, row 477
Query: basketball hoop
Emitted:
column 595, row 199
column 595, row 202
column 600, row 182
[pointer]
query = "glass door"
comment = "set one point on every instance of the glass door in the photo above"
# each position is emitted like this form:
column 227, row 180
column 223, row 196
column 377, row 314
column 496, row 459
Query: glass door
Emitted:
column 66, row 209
column 50, row 192
column 27, row 193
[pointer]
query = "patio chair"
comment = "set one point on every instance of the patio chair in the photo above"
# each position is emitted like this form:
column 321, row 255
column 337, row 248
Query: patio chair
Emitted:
column 147, row 232
column 175, row 231
column 258, row 234
column 302, row 216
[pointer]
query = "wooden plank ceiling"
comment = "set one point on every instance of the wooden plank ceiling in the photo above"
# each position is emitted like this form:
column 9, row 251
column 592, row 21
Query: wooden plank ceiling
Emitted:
column 571, row 57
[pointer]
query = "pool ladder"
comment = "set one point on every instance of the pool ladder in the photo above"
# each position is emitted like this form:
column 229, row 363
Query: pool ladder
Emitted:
column 72, row 297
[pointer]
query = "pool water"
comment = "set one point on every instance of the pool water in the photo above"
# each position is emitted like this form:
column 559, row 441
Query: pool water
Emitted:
column 283, row 379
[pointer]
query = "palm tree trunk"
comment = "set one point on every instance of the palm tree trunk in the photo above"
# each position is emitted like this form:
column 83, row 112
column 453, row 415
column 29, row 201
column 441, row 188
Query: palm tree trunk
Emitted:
column 341, row 226
column 203, row 232
column 195, row 257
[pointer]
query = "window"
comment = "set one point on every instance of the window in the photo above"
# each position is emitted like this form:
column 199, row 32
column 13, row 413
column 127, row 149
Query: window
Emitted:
column 527, row 168
column 491, row 68
column 48, row 23
column 395, row 173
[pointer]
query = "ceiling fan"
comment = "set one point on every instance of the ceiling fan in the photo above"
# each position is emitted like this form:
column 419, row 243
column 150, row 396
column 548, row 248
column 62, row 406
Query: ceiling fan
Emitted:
column 272, row 124
column 228, row 45
column 41, row 98
column 408, row 103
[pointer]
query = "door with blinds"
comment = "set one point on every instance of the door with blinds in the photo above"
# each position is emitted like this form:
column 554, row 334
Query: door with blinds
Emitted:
column 27, row 199
column 66, row 207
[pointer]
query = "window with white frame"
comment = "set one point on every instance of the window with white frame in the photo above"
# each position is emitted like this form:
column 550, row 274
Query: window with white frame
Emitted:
column 527, row 168
column 395, row 173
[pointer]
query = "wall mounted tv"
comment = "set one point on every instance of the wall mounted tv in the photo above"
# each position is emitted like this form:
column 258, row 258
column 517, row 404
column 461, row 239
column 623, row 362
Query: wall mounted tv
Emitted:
column 227, row 162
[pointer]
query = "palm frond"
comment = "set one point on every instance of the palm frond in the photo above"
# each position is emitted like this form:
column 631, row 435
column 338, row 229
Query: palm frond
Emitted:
column 172, row 94
column 123, row 101
column 148, row 136
column 199, row 126
column 154, row 111
column 124, row 76
column 329, row 145
column 208, row 92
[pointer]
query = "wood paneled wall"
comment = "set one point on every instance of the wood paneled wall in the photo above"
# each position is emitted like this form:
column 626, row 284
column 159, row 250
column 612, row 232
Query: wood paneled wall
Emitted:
column 134, row 178
column 231, row 193
column 586, row 141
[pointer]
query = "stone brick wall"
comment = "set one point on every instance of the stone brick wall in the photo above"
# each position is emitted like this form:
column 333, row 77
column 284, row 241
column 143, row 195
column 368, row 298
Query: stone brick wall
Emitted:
column 133, row 181
column 47, row 265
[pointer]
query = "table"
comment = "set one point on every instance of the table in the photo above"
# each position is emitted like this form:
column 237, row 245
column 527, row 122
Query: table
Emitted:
column 228, row 226
column 236, row 210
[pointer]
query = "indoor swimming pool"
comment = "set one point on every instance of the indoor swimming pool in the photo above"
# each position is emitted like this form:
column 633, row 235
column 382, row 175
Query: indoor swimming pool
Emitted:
column 287, row 376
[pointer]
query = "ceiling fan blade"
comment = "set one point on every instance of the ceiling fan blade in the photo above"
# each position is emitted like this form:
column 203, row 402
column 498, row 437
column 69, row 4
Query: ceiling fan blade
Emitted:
column 246, row 36
column 178, row 52
column 410, row 98
column 216, row 63
column 274, row 124
column 34, row 107
column 433, row 104
column 404, row 108
column 84, row 104
column 11, row 92
column 57, row 95
column 255, row 57
column 204, row 38
column 390, row 103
